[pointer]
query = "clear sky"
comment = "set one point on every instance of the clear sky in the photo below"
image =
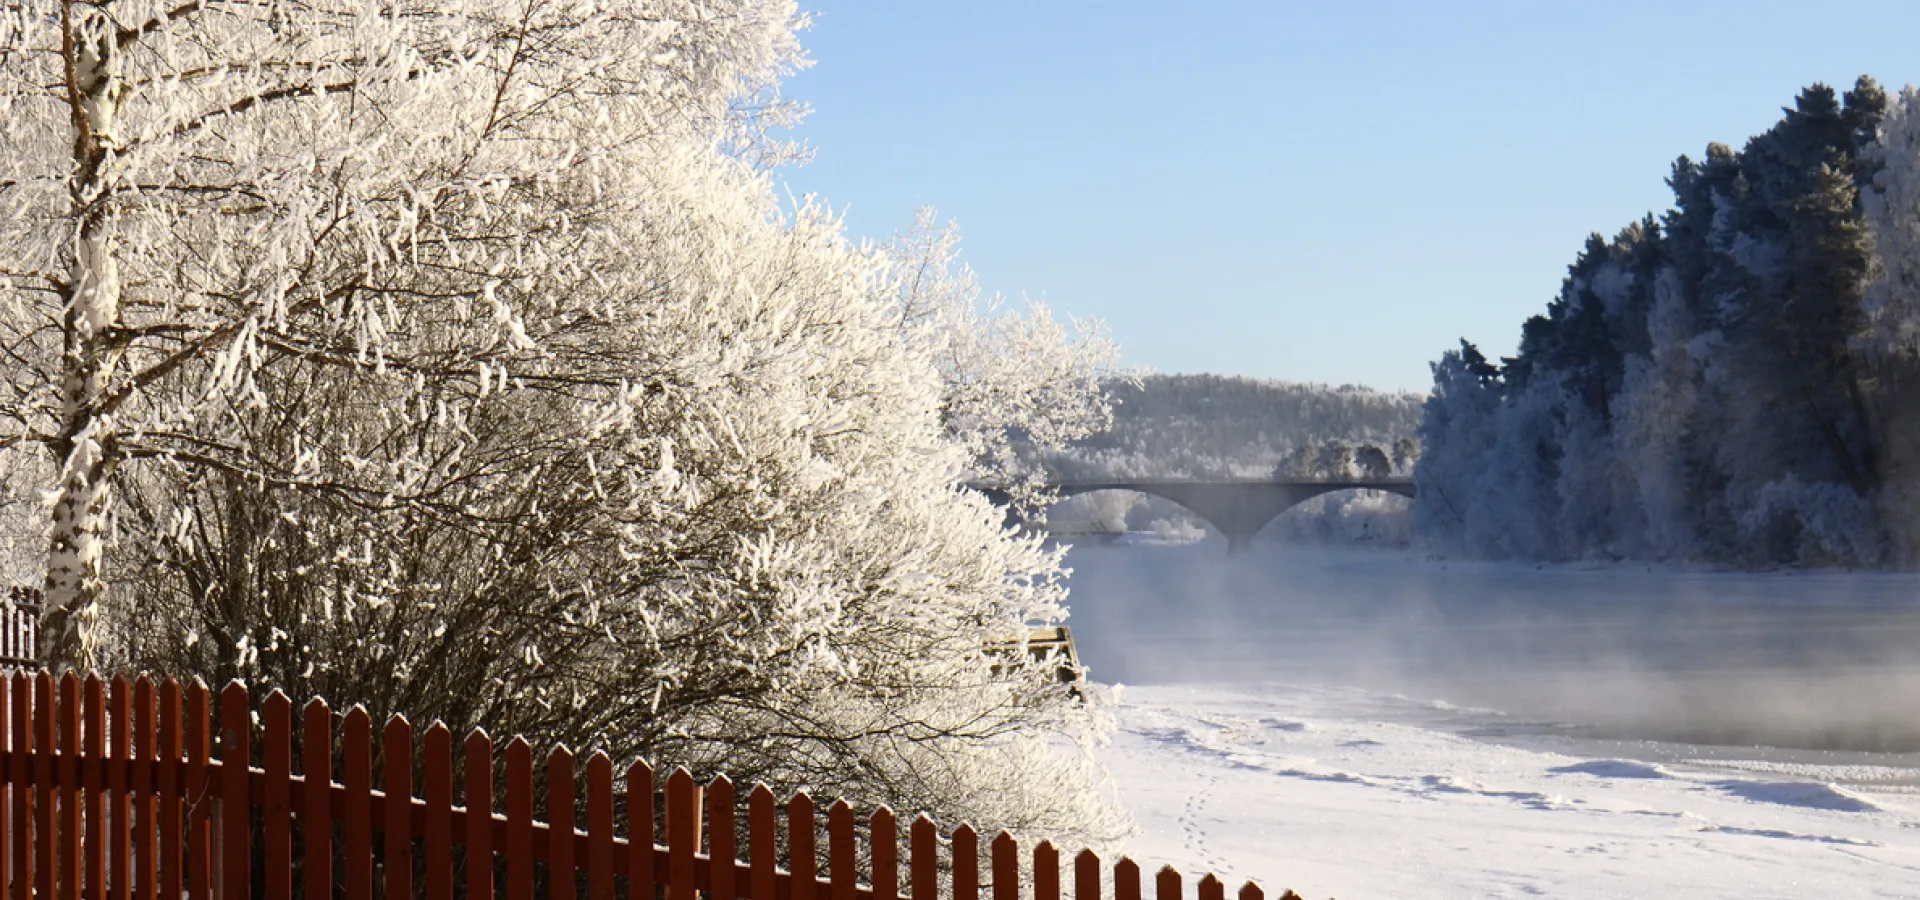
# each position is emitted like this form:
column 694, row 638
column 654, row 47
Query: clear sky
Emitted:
column 1330, row 192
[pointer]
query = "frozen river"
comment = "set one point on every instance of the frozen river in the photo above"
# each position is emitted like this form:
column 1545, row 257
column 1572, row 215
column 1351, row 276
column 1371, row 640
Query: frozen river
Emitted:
column 1818, row 660
column 1374, row 724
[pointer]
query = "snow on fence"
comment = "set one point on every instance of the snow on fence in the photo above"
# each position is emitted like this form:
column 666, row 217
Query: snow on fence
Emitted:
column 111, row 791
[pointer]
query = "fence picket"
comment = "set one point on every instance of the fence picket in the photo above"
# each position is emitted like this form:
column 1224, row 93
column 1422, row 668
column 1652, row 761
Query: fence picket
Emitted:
column 1126, row 880
column 22, row 772
column 438, row 789
column 196, row 792
column 7, row 837
column 561, row 818
column 800, row 848
column 93, row 805
column 276, row 720
column 762, row 841
column 561, row 869
column 1006, row 868
column 43, row 782
column 1046, row 872
column 316, row 819
column 1166, row 884
column 1252, row 891
column 119, row 811
column 478, row 756
column 1086, row 876
column 1210, row 888
column 966, row 863
column 682, row 841
column 720, row 839
column 356, row 808
column 146, row 845
column 397, row 760
column 67, row 713
column 172, row 846
column 840, row 849
column 883, row 838
column 641, row 878
column 924, row 847
column 519, row 849
column 599, row 827
column 236, row 827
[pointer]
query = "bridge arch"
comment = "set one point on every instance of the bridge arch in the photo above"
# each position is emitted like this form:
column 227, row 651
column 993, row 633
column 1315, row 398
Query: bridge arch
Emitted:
column 1236, row 509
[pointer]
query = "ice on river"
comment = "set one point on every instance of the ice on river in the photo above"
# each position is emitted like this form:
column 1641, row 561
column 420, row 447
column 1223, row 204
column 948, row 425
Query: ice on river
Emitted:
column 1375, row 725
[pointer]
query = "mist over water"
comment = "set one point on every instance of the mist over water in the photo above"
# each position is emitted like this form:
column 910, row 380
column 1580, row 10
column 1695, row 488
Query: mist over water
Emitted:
column 1796, row 660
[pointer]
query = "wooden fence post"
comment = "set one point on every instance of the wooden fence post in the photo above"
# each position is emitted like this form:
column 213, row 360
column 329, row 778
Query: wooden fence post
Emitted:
column 925, row 865
column 93, row 805
column 236, row 827
column 479, row 798
column 966, row 863
column 762, row 839
column 1126, row 880
column 1086, row 876
column 356, row 813
column 800, row 848
column 841, row 850
column 276, row 720
column 519, row 848
column 397, row 759
column 599, row 827
column 1046, row 872
column 439, row 813
column 197, row 793
column 641, row 877
column 682, row 810
column 21, row 770
column 119, row 805
column 883, row 837
column 316, row 820
column 561, row 866
column 720, row 849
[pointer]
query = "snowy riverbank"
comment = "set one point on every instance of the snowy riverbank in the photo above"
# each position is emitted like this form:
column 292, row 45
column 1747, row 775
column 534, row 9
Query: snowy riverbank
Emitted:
column 1342, row 792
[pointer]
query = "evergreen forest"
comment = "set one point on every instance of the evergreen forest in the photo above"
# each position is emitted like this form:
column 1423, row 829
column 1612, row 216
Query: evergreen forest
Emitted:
column 1730, row 381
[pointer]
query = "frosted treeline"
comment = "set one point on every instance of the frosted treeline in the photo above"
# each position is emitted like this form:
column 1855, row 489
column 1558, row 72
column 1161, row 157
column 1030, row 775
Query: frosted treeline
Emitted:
column 457, row 357
column 1733, row 380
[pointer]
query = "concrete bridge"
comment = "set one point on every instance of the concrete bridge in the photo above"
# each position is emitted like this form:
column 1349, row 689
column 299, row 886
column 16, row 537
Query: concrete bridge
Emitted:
column 1237, row 509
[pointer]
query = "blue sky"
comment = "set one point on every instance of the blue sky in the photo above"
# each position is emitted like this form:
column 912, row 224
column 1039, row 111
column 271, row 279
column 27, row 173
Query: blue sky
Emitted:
column 1328, row 192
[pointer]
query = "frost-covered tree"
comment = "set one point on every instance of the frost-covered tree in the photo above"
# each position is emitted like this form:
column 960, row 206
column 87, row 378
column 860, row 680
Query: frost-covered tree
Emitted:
column 1889, row 341
column 1013, row 380
column 196, row 191
column 1372, row 462
column 457, row 358
column 1456, row 434
column 1698, row 389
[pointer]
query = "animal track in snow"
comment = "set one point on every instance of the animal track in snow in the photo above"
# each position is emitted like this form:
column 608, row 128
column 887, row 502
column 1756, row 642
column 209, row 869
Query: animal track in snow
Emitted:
column 1193, row 835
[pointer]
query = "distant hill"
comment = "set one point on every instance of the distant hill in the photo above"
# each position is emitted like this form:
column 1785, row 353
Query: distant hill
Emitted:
column 1223, row 426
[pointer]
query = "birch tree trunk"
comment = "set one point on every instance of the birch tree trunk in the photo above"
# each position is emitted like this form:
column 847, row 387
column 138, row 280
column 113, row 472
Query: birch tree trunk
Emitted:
column 86, row 444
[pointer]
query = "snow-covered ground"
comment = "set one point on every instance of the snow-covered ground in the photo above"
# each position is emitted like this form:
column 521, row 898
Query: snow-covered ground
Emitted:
column 1363, row 725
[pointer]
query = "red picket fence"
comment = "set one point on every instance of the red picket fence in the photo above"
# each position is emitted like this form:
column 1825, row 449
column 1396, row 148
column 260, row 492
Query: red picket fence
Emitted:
column 111, row 792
